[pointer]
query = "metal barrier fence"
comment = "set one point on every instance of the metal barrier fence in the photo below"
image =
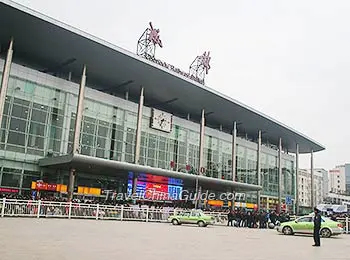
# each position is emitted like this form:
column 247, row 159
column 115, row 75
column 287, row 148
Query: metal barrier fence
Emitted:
column 69, row 210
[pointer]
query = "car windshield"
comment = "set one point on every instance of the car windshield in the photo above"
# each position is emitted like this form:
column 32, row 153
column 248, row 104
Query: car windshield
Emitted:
column 196, row 213
column 305, row 219
column 185, row 213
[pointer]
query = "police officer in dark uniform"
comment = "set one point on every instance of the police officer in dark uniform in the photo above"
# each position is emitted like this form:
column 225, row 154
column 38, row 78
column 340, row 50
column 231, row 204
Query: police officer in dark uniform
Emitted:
column 317, row 227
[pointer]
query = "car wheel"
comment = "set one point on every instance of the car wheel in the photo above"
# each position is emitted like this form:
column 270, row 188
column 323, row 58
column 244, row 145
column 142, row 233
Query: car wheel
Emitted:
column 201, row 224
column 175, row 222
column 287, row 230
column 325, row 232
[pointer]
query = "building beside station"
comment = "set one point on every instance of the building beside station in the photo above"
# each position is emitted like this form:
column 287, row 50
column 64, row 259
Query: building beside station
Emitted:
column 337, row 180
column 320, row 190
column 87, row 117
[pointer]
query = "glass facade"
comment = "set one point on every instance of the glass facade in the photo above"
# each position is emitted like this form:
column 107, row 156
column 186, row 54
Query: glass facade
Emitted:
column 39, row 120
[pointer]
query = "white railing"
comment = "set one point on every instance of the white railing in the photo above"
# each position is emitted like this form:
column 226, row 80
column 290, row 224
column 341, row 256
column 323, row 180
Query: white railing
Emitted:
column 71, row 210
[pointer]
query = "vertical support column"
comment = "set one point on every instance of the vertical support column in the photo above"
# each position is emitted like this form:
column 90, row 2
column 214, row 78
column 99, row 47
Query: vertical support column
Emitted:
column 233, row 159
column 79, row 116
column 279, row 176
column 258, row 161
column 5, row 79
column 66, row 122
column 138, row 136
column 201, row 149
column 312, row 180
column 296, row 190
column 76, row 140
column 267, row 202
column 71, row 184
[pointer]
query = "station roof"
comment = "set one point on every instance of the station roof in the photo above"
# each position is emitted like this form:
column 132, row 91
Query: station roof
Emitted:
column 95, row 165
column 53, row 46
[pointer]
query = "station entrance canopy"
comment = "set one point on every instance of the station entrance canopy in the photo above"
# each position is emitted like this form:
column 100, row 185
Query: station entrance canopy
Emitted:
column 93, row 165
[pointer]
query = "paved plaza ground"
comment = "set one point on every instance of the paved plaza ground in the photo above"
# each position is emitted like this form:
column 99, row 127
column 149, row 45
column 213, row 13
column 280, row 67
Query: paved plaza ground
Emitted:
column 56, row 239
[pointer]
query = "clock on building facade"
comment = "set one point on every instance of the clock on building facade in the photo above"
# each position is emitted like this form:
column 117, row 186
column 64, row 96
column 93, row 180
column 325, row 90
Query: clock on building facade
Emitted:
column 161, row 120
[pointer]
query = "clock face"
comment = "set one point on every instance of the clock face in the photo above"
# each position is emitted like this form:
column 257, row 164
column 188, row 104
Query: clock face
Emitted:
column 161, row 120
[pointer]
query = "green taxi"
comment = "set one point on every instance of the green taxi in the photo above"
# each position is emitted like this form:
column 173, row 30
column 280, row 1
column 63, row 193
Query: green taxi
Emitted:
column 191, row 217
column 305, row 225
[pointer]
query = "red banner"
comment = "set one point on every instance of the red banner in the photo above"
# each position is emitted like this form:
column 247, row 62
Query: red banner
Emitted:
column 44, row 186
column 9, row 190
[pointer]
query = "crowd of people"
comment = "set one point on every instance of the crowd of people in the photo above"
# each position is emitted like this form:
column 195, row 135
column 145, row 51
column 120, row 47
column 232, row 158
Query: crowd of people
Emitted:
column 337, row 216
column 255, row 219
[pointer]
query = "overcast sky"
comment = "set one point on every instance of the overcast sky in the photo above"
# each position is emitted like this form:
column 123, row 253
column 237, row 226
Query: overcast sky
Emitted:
column 288, row 59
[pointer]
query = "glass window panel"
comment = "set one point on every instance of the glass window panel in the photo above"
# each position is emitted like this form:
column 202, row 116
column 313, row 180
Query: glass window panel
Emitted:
column 29, row 87
column 71, row 136
column 119, row 134
column 18, row 125
column 88, row 140
column 88, row 128
column 72, row 122
column 130, row 136
column 10, row 179
column 102, row 131
column 20, row 111
column 101, row 142
column 21, row 102
column 15, row 148
column 27, row 181
column 55, row 132
column 162, row 145
column 55, row 145
column 36, row 142
column 37, row 129
column 129, row 148
column 100, row 153
column 40, row 107
column 86, row 150
column 35, row 151
column 12, row 170
column 16, row 138
column 57, row 117
column 6, row 107
column 39, row 115
column 103, row 123
column 119, row 147
column 162, row 156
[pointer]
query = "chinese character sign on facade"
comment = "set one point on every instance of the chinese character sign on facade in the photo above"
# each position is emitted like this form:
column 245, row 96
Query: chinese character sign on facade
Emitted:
column 154, row 36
